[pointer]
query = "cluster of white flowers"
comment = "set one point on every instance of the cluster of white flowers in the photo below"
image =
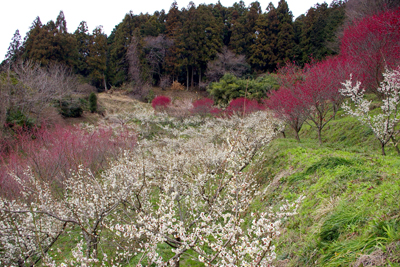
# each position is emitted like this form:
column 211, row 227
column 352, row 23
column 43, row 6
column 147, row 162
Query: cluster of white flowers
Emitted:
column 384, row 123
column 187, row 187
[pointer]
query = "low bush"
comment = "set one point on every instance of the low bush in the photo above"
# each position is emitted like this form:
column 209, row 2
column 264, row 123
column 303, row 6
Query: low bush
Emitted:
column 202, row 106
column 70, row 108
column 52, row 154
column 231, row 87
column 243, row 106
column 93, row 102
column 161, row 102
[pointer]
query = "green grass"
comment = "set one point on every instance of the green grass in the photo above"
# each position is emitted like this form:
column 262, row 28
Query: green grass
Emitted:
column 352, row 194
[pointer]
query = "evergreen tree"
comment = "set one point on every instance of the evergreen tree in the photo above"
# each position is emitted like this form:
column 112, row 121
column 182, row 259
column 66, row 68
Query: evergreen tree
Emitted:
column 264, row 55
column 173, row 28
column 201, row 40
column 117, row 67
column 319, row 28
column 97, row 58
column 83, row 40
column 14, row 51
column 285, row 41
column 46, row 43
column 61, row 23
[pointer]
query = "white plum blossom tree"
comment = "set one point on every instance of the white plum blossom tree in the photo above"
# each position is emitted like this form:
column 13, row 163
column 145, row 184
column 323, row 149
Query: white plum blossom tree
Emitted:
column 187, row 188
column 384, row 123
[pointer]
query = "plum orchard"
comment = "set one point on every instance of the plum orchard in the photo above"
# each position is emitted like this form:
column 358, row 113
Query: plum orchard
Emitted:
column 187, row 187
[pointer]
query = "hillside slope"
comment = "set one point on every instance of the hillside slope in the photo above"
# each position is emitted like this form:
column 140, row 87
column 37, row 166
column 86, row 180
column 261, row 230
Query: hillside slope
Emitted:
column 351, row 213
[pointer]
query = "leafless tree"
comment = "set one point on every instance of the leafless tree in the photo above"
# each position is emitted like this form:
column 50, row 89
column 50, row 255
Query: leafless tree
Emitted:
column 156, row 49
column 38, row 87
column 357, row 9
column 226, row 62
column 31, row 89
column 135, row 71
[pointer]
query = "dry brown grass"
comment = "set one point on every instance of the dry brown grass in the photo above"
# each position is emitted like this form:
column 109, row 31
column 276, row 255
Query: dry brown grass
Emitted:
column 380, row 257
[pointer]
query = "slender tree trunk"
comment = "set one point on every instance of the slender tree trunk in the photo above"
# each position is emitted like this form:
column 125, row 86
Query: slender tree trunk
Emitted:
column 177, row 260
column 199, row 76
column 395, row 145
column 105, row 83
column 284, row 134
column 296, row 135
column 319, row 136
column 192, row 78
column 383, row 148
column 91, row 243
column 187, row 78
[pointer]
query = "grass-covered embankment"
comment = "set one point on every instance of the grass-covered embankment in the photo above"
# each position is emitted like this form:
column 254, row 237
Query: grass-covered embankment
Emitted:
column 351, row 207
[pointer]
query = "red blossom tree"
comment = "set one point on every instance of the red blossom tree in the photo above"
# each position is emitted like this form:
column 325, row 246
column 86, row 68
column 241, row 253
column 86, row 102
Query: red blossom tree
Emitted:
column 202, row 106
column 54, row 153
column 372, row 44
column 320, row 91
column 291, row 74
column 243, row 106
column 161, row 102
column 288, row 106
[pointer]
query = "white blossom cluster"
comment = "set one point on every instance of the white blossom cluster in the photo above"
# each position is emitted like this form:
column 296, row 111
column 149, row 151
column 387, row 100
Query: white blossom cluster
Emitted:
column 384, row 123
column 188, row 187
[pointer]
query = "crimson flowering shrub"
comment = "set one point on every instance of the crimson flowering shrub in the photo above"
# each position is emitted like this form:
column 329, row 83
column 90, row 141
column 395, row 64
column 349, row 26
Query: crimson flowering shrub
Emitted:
column 289, row 107
column 372, row 44
column 291, row 74
column 161, row 102
column 202, row 106
column 320, row 90
column 52, row 154
column 243, row 106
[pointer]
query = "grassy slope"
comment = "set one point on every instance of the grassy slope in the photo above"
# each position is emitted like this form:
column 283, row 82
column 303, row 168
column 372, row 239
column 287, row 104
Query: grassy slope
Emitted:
column 352, row 196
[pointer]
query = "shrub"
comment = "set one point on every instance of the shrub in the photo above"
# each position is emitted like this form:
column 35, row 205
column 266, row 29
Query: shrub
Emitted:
column 202, row 106
column 161, row 102
column 177, row 86
column 243, row 106
column 93, row 102
column 70, row 108
column 230, row 87
column 16, row 119
column 53, row 153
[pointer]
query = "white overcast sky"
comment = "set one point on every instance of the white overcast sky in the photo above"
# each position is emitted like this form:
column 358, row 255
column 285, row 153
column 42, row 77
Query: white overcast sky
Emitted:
column 20, row 14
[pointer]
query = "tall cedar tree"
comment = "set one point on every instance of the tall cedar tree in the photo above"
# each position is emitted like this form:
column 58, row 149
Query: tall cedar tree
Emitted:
column 264, row 50
column 201, row 40
column 237, row 42
column 285, row 41
column 318, row 30
column 82, row 38
column 173, row 29
column 15, row 49
column 117, row 69
column 250, row 27
column 51, row 43
column 97, row 58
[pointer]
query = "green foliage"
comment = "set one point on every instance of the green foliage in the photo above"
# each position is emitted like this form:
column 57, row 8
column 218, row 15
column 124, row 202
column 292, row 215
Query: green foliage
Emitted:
column 231, row 87
column 70, row 108
column 93, row 102
column 352, row 195
column 17, row 118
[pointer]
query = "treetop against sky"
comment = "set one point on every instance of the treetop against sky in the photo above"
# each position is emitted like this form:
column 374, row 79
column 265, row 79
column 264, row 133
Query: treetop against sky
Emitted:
column 20, row 15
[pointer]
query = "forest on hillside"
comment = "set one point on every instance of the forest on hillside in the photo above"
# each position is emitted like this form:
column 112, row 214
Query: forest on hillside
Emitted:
column 180, row 44
column 191, row 181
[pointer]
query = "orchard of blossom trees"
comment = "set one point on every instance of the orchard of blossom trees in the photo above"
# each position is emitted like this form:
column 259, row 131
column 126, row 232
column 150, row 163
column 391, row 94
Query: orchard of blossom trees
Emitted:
column 311, row 94
column 181, row 193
